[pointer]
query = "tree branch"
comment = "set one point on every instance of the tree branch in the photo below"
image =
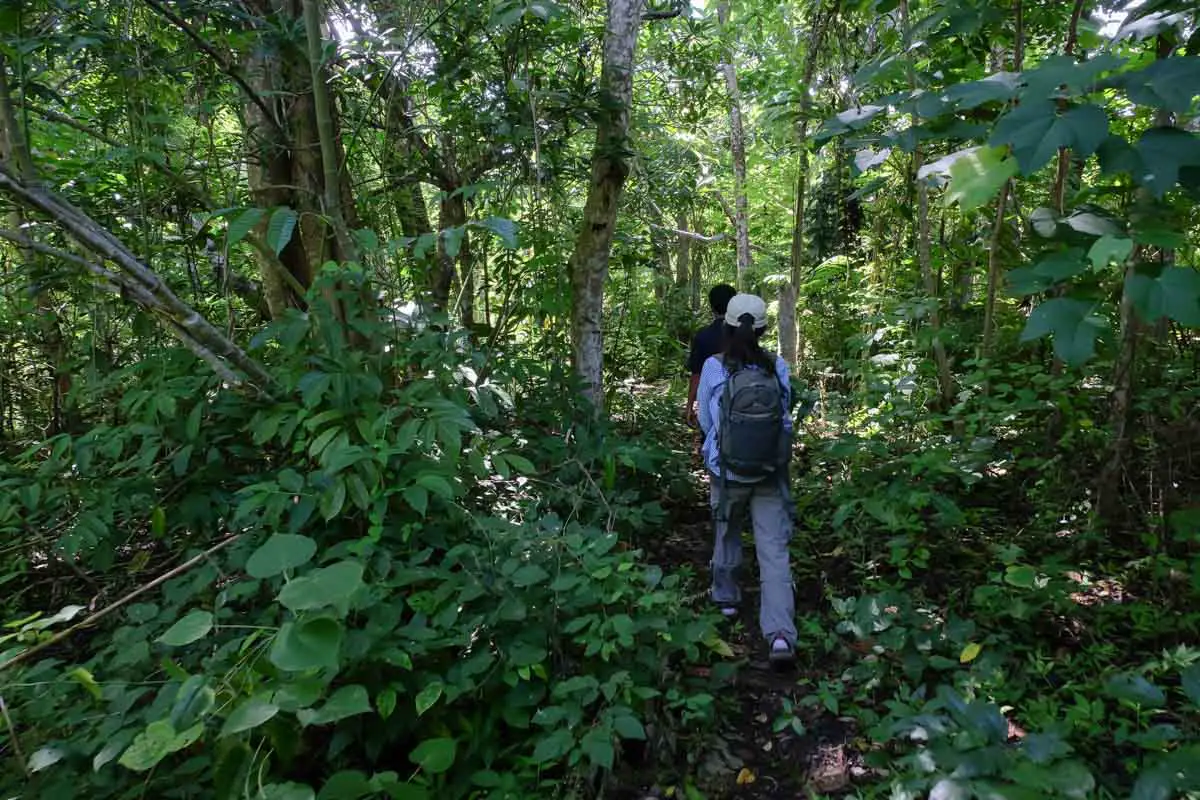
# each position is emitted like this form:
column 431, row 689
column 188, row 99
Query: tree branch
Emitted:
column 159, row 581
column 225, row 67
column 675, row 10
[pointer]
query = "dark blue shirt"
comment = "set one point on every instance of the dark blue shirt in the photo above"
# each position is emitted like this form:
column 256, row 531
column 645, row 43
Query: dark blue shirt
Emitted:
column 708, row 341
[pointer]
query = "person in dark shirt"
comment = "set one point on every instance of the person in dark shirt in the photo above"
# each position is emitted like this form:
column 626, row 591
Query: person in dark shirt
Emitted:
column 708, row 341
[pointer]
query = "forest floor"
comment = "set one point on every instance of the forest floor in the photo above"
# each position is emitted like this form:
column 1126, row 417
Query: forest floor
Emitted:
column 768, row 745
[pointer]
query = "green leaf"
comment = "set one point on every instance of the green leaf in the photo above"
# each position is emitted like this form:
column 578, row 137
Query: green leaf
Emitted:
column 435, row 756
column 280, row 228
column 999, row 86
column 348, row 701
column 506, row 229
column 1109, row 249
column 1072, row 323
column 1173, row 293
column 628, row 727
column 328, row 586
column 310, row 644
column 1162, row 152
column 417, row 498
column 1168, row 83
column 529, row 575
column 247, row 716
column 191, row 628
column 977, row 177
column 1190, row 681
column 193, row 701
column 242, row 224
column 1036, row 131
column 385, row 702
column 285, row 791
column 282, row 551
column 45, row 758
column 1023, row 577
column 1135, row 689
column 1047, row 79
column 157, row 742
column 598, row 747
column 428, row 697
column 553, row 746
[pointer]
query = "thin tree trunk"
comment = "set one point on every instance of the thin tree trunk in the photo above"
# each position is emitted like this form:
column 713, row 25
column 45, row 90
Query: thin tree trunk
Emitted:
column 589, row 260
column 1108, row 485
column 314, row 18
column 789, row 334
column 924, row 257
column 737, row 147
column 683, row 253
column 993, row 277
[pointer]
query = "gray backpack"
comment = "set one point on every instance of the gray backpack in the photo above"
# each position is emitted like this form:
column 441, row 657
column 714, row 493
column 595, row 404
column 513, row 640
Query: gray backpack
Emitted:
column 751, row 439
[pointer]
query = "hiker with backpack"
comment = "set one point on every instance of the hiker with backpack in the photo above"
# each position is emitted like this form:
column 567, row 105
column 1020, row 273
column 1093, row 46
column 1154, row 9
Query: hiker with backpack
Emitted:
column 744, row 401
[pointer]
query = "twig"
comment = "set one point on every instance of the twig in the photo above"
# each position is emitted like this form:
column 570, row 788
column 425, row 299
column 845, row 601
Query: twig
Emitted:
column 12, row 734
column 182, row 568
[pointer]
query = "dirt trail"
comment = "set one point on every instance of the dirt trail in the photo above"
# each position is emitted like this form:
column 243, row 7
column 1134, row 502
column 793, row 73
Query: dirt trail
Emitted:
column 769, row 744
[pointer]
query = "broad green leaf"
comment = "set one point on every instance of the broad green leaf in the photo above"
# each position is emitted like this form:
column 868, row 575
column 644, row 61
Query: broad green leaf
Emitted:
column 385, row 702
column 348, row 701
column 44, row 758
column 1110, row 250
column 285, row 791
column 1048, row 79
column 435, row 756
column 282, row 551
column 247, row 716
column 155, row 743
column 242, row 224
column 428, row 697
column 417, row 498
column 597, row 745
column 977, row 177
column 280, row 229
column 1135, row 689
column 529, row 575
column 1023, row 577
column 553, row 746
column 193, row 701
column 1174, row 293
column 1168, row 83
column 1036, row 131
column 506, row 229
column 1162, row 152
column 348, row 784
column 947, row 789
column 999, row 86
column 191, row 628
column 628, row 727
column 1190, row 681
column 306, row 645
column 970, row 653
column 1073, row 325
column 327, row 586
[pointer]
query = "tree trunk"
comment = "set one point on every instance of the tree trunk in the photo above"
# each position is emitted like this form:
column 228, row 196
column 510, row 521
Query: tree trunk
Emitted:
column 1108, row 485
column 737, row 146
column 14, row 151
column 589, row 261
column 789, row 334
column 924, row 258
column 683, row 253
column 292, row 157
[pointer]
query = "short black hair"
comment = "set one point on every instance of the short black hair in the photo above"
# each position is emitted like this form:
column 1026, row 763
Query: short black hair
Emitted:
column 719, row 297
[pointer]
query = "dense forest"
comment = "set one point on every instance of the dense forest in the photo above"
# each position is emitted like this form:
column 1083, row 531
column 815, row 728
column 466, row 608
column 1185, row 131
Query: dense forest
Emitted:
column 342, row 385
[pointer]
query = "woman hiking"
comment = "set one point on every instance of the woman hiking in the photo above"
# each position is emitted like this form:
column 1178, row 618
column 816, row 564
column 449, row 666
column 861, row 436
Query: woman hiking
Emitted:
column 744, row 401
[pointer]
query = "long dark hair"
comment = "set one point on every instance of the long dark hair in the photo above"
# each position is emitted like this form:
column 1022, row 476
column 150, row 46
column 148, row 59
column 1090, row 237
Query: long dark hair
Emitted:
column 742, row 348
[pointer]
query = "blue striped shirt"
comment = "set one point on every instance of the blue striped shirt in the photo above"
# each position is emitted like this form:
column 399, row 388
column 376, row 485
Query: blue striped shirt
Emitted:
column 708, row 398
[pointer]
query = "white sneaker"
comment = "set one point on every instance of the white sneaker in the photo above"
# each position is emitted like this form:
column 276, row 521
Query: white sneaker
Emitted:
column 781, row 653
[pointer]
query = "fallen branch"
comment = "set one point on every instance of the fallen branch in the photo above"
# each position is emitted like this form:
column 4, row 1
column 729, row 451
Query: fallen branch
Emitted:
column 695, row 237
column 147, row 287
column 141, row 590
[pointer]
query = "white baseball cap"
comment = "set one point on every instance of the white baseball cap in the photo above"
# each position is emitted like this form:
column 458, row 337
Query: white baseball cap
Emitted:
column 750, row 304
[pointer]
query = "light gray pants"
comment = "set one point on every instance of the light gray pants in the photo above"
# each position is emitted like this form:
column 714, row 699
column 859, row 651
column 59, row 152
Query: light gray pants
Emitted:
column 772, row 524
